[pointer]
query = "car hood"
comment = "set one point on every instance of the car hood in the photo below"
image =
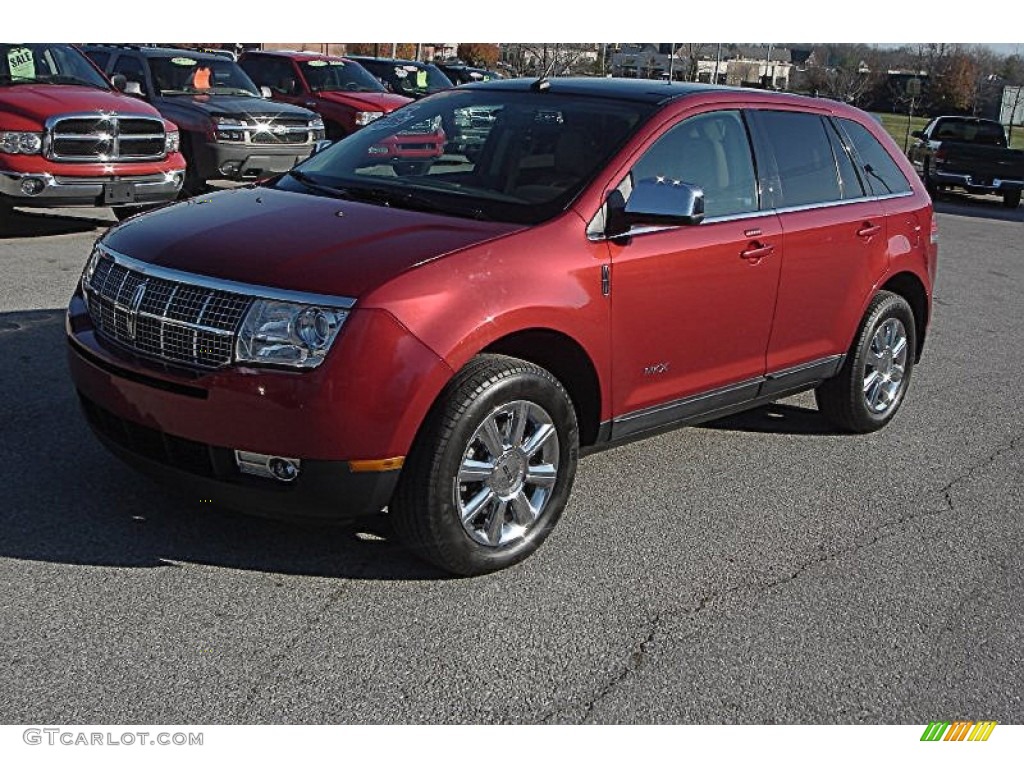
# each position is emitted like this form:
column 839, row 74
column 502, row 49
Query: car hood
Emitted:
column 365, row 101
column 237, row 106
column 36, row 103
column 295, row 241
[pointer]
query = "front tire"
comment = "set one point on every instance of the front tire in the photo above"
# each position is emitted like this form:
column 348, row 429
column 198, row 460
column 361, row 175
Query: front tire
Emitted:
column 871, row 385
column 491, row 470
column 1011, row 199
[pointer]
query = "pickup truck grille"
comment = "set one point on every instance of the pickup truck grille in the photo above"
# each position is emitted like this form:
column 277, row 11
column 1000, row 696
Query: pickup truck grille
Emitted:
column 172, row 321
column 279, row 131
column 104, row 138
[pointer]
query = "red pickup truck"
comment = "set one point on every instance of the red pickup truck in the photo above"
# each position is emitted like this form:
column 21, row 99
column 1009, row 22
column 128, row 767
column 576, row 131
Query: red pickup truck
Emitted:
column 68, row 138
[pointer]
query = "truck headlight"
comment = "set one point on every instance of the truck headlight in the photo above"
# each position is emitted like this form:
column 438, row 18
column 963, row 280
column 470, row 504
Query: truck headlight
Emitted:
column 172, row 142
column 283, row 333
column 20, row 143
column 228, row 129
column 365, row 118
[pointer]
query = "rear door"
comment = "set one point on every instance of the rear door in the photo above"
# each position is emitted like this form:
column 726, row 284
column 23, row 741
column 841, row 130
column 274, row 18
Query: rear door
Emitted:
column 834, row 236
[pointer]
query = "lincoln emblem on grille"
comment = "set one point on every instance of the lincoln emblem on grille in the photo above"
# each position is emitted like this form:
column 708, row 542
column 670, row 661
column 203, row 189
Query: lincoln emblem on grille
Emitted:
column 133, row 309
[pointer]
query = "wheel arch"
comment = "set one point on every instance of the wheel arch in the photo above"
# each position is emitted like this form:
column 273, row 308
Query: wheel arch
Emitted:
column 909, row 286
column 568, row 362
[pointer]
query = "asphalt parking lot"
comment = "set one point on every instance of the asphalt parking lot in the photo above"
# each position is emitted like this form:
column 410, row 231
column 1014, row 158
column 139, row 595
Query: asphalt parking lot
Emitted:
column 756, row 569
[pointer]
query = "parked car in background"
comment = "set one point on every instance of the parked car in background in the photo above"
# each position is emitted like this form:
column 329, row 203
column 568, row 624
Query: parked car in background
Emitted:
column 347, row 97
column 229, row 130
column 968, row 153
column 406, row 78
column 620, row 257
column 460, row 74
column 68, row 138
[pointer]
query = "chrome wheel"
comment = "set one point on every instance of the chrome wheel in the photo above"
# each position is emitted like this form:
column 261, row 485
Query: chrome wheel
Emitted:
column 885, row 365
column 508, row 473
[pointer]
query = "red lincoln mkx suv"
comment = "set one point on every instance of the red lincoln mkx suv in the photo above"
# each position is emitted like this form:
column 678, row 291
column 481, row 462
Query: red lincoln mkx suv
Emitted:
column 616, row 258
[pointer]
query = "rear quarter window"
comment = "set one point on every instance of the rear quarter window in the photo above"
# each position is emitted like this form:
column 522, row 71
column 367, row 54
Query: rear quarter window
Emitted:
column 883, row 174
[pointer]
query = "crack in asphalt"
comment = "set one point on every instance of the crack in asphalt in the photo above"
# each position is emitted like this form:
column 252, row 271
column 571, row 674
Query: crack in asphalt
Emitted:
column 861, row 543
column 272, row 676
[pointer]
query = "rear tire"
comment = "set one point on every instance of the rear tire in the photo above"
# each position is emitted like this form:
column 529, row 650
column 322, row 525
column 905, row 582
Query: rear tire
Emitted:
column 870, row 387
column 491, row 470
column 1011, row 199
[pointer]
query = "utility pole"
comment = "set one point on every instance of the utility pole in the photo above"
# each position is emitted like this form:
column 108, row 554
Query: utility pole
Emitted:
column 671, row 60
column 394, row 50
column 718, row 63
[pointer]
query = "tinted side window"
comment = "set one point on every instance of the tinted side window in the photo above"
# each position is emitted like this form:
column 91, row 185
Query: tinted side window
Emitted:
column 712, row 151
column 131, row 68
column 849, row 178
column 803, row 155
column 276, row 74
column 884, row 176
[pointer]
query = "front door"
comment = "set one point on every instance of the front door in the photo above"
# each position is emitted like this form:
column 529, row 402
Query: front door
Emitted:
column 692, row 306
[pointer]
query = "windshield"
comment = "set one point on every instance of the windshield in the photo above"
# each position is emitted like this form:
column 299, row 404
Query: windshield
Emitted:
column 410, row 79
column 214, row 75
column 47, row 63
column 339, row 75
column 502, row 156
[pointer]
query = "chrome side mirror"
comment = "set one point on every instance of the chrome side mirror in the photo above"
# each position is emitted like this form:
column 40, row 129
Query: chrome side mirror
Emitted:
column 664, row 201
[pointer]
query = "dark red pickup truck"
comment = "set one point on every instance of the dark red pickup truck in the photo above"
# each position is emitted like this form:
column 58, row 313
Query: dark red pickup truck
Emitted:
column 971, row 154
column 67, row 138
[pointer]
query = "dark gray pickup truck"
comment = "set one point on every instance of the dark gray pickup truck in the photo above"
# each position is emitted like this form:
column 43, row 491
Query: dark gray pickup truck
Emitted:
column 229, row 130
column 968, row 153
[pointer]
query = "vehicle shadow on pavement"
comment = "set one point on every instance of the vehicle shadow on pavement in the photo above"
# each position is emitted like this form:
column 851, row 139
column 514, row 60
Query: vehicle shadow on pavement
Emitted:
column 16, row 224
column 66, row 500
column 777, row 418
column 977, row 207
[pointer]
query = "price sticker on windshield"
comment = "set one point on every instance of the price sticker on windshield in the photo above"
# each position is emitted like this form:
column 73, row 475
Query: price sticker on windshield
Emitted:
column 318, row 63
column 182, row 61
column 21, row 63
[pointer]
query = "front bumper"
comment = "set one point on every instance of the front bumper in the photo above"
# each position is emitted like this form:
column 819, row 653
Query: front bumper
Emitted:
column 247, row 162
column 83, row 191
column 350, row 428
column 323, row 490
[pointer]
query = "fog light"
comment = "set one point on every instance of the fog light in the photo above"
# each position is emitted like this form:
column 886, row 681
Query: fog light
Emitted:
column 264, row 465
column 230, row 168
column 32, row 187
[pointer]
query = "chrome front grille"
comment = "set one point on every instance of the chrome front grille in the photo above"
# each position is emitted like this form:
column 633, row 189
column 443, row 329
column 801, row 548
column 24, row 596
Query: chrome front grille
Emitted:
column 165, row 319
column 269, row 130
column 104, row 138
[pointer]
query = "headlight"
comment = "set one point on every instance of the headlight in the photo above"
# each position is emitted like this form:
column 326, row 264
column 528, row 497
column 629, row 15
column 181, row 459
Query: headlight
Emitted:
column 282, row 333
column 228, row 129
column 18, row 143
column 365, row 118
column 172, row 142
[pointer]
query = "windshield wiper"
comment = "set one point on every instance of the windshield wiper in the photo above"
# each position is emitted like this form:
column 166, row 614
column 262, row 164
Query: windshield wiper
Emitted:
column 403, row 198
column 308, row 182
column 71, row 80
